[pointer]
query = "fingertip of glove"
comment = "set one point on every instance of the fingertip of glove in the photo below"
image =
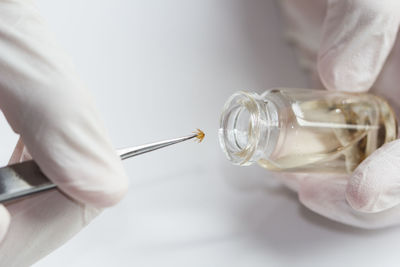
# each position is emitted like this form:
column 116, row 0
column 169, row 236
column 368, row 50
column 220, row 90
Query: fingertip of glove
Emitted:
column 113, row 194
column 375, row 184
column 4, row 221
column 108, row 192
column 359, row 196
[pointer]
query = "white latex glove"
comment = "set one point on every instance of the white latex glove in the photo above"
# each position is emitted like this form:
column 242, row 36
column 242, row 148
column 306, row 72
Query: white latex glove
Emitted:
column 348, row 45
column 45, row 102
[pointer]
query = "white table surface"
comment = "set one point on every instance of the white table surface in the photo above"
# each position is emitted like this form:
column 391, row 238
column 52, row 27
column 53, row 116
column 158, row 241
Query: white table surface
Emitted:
column 160, row 69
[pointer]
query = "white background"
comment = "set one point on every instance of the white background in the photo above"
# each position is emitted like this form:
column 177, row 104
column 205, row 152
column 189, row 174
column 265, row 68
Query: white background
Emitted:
column 160, row 69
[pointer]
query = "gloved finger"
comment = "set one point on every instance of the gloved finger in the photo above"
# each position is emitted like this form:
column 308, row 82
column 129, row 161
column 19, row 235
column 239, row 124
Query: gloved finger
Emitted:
column 291, row 180
column 358, row 35
column 45, row 221
column 326, row 196
column 388, row 80
column 20, row 154
column 41, row 223
column 4, row 222
column 46, row 103
column 375, row 184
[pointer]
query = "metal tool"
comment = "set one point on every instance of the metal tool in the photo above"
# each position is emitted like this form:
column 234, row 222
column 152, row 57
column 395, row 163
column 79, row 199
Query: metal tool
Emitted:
column 25, row 178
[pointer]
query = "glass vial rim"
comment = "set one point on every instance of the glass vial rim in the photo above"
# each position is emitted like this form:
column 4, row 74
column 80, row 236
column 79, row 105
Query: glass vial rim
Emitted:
column 243, row 102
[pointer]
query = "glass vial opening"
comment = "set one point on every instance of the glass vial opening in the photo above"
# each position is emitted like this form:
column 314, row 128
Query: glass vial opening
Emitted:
column 247, row 126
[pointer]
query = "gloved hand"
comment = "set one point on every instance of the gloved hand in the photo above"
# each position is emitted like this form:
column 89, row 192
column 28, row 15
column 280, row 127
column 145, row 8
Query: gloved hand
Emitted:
column 348, row 46
column 45, row 102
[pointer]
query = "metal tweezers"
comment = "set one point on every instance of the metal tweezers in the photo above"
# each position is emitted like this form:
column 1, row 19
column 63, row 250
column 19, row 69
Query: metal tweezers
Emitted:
column 25, row 178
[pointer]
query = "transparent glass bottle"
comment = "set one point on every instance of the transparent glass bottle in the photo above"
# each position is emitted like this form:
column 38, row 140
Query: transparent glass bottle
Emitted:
column 305, row 130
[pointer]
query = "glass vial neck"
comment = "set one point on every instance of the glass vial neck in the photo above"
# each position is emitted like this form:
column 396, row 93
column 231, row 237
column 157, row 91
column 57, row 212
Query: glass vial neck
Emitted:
column 248, row 128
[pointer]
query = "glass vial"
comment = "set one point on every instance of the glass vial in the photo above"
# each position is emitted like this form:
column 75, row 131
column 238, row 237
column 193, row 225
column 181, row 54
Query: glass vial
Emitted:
column 304, row 130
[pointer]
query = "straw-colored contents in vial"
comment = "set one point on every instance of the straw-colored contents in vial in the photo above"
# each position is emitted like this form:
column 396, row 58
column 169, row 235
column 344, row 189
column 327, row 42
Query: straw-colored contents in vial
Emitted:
column 323, row 136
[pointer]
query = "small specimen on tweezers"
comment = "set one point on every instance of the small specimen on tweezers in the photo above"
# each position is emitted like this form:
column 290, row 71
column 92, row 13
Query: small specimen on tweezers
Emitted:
column 200, row 135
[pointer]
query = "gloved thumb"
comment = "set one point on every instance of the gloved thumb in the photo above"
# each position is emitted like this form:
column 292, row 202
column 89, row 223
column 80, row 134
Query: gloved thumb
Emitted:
column 375, row 184
column 358, row 36
column 45, row 102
